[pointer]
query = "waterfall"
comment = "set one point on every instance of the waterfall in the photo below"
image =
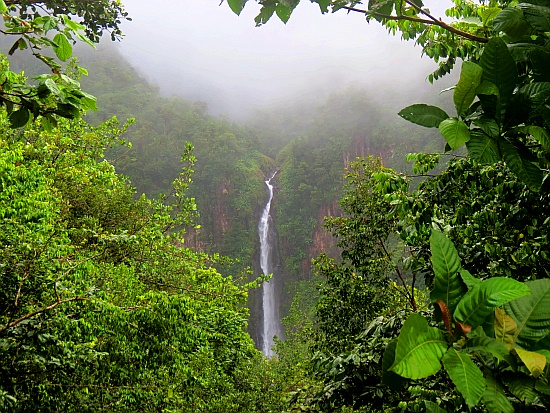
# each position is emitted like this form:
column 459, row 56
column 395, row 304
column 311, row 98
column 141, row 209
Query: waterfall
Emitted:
column 270, row 308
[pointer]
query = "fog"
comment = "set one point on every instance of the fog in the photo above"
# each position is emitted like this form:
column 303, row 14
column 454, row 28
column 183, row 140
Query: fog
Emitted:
column 201, row 50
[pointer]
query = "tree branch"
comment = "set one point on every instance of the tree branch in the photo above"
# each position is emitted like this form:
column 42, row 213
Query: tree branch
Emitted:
column 42, row 310
column 430, row 21
column 410, row 296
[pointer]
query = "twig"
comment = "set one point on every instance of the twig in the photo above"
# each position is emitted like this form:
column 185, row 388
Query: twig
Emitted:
column 42, row 310
column 430, row 21
column 398, row 271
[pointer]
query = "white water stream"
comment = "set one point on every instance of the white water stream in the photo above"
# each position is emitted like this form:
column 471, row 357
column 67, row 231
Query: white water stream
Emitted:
column 271, row 324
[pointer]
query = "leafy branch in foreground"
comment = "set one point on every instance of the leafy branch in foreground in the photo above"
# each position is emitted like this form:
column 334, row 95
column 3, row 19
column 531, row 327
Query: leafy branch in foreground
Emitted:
column 35, row 26
column 493, row 339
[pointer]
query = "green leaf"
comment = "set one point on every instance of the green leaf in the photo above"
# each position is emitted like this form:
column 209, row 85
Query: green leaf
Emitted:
column 505, row 328
column 487, row 88
column 48, row 23
column 479, row 342
column 389, row 378
column 283, row 12
column 500, row 69
column 62, row 48
column 265, row 14
column 381, row 7
column 448, row 285
column 485, row 297
column 489, row 14
column 432, row 407
column 84, row 39
column 466, row 376
column 236, row 5
column 323, row 5
column 536, row 93
column 482, row 148
column 71, row 24
column 19, row 118
column 419, row 349
column 531, row 314
column 424, row 115
column 465, row 90
column 52, row 87
column 489, row 126
column 542, row 387
column 534, row 362
column 88, row 101
column 512, row 22
column 540, row 134
column 537, row 16
column 469, row 280
column 523, row 388
column 518, row 159
column 3, row 7
column 455, row 132
column 494, row 398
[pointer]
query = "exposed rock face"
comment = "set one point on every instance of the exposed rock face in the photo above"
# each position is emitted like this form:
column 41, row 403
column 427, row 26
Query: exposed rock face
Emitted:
column 323, row 241
column 216, row 220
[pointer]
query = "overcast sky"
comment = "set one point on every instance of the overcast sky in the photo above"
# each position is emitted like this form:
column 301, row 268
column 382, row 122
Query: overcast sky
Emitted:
column 201, row 50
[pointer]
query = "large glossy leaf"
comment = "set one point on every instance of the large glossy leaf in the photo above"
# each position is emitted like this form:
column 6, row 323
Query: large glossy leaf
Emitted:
column 531, row 314
column 537, row 16
column 536, row 93
column 485, row 297
column 512, row 22
column 466, row 376
column 489, row 14
column 540, row 134
column 419, row 349
column 534, row 362
column 505, row 328
column 469, row 280
column 519, row 160
column 448, row 284
column 389, row 378
column 523, row 388
column 465, row 90
column 455, row 132
column 482, row 148
column 500, row 69
column 424, row 115
column 487, row 125
column 494, row 397
column 487, row 88
column 481, row 343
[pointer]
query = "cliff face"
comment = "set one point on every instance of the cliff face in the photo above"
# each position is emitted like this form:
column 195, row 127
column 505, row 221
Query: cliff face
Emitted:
column 214, row 221
column 323, row 241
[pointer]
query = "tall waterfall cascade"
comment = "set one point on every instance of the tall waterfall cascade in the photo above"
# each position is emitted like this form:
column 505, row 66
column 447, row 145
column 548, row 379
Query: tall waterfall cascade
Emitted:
column 270, row 306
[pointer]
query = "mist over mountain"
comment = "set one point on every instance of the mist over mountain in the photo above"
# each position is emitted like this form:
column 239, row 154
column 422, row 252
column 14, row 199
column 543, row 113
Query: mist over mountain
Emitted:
column 202, row 51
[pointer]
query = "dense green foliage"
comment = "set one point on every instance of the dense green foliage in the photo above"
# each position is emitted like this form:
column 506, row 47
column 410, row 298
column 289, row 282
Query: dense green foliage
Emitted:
column 102, row 310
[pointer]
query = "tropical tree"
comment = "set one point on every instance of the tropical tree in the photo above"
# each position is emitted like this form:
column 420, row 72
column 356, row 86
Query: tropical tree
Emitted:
column 56, row 25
